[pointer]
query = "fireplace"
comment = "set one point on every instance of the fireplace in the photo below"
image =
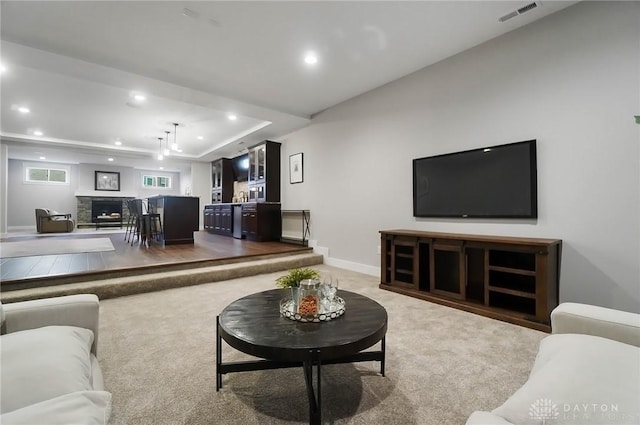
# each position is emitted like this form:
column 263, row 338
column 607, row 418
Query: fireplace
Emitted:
column 106, row 208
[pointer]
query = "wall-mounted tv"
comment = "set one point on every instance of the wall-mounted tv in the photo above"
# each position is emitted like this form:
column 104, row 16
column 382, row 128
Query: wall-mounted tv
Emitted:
column 240, row 165
column 491, row 182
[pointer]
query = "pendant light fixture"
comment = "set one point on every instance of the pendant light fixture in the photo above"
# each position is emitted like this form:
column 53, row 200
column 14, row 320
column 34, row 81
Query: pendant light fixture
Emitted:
column 167, row 152
column 174, row 147
column 160, row 157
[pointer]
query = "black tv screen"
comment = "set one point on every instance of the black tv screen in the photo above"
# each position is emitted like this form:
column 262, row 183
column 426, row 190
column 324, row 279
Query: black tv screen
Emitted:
column 492, row 182
column 240, row 166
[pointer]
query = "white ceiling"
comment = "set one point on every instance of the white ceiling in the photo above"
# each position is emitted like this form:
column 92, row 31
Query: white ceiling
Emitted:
column 77, row 65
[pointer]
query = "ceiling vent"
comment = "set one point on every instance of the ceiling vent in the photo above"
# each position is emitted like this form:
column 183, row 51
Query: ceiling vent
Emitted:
column 520, row 11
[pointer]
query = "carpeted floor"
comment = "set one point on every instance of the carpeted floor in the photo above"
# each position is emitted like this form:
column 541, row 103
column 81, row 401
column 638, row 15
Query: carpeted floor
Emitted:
column 157, row 351
column 53, row 246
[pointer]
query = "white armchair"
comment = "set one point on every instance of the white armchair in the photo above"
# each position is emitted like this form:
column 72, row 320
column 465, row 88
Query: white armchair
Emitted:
column 50, row 373
column 586, row 372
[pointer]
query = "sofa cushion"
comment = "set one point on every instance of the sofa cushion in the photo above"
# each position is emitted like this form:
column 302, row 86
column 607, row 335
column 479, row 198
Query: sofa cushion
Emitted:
column 39, row 364
column 579, row 379
column 82, row 407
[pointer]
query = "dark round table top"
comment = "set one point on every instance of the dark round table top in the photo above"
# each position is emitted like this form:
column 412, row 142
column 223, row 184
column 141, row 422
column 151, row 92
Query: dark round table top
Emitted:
column 253, row 325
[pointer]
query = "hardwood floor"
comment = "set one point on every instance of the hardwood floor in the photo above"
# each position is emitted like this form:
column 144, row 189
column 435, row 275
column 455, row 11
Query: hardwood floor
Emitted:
column 207, row 247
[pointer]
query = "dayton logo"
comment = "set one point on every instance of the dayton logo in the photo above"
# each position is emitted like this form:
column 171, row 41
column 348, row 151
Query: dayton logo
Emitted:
column 543, row 409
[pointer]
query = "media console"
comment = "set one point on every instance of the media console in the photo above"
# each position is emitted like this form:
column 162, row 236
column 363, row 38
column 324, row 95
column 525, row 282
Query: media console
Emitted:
column 507, row 278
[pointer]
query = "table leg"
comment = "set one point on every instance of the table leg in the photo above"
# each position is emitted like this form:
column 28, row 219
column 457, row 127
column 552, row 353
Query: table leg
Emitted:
column 315, row 401
column 383, row 349
column 218, row 355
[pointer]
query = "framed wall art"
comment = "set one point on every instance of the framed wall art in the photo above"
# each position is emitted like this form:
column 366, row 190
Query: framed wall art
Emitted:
column 295, row 168
column 108, row 180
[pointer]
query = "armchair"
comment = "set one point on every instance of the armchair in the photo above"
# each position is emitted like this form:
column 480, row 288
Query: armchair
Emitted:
column 49, row 221
column 50, row 373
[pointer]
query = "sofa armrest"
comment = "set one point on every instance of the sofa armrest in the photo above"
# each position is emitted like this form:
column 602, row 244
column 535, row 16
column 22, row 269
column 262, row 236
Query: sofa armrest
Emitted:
column 587, row 319
column 71, row 310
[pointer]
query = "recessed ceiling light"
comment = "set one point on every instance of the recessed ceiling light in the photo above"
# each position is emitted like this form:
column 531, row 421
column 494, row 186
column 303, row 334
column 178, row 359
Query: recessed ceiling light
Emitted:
column 43, row 157
column 118, row 142
column 200, row 138
column 38, row 133
column 2, row 68
column 232, row 117
column 162, row 168
column 24, row 109
column 310, row 58
column 110, row 159
column 139, row 97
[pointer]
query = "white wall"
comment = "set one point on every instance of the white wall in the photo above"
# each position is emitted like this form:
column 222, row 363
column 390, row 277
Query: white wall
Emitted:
column 201, row 185
column 4, row 182
column 23, row 198
column 571, row 81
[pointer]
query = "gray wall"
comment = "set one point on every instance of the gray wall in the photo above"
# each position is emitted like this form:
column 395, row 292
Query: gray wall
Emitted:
column 571, row 81
column 23, row 198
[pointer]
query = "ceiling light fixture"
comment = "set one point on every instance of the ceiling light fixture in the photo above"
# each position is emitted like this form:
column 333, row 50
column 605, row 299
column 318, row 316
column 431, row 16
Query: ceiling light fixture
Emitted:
column 24, row 109
column 200, row 138
column 310, row 58
column 38, row 133
column 139, row 97
column 118, row 143
column 2, row 68
column 167, row 152
column 232, row 117
column 110, row 159
column 43, row 157
column 175, row 137
column 160, row 157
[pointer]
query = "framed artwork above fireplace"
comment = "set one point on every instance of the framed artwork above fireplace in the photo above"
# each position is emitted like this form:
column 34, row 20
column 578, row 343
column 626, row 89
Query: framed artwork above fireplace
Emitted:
column 108, row 180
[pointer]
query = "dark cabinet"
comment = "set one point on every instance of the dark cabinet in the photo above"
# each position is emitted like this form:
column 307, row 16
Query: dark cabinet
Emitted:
column 218, row 218
column 264, row 172
column 221, row 181
column 507, row 278
column 179, row 216
column 261, row 221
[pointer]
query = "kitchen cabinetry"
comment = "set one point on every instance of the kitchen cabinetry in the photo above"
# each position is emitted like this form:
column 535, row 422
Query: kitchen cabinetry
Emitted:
column 221, row 180
column 179, row 217
column 264, row 172
column 218, row 219
column 261, row 221
column 507, row 278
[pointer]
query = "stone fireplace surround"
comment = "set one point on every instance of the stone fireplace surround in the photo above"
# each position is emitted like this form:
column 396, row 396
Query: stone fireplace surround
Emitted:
column 83, row 214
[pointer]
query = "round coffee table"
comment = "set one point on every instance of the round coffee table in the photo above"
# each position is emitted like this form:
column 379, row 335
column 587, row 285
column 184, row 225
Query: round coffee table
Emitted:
column 253, row 325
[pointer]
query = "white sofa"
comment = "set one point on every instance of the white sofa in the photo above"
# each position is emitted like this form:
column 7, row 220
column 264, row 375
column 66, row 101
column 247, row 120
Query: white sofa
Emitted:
column 586, row 372
column 50, row 374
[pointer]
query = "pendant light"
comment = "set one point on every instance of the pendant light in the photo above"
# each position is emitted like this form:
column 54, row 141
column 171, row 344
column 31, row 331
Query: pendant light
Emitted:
column 167, row 152
column 160, row 157
column 174, row 147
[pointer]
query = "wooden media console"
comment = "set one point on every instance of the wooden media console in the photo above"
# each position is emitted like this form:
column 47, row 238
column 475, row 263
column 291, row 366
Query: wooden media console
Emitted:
column 507, row 278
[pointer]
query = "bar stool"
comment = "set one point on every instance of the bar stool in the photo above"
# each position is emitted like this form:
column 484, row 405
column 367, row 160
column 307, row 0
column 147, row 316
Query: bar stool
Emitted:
column 135, row 225
column 154, row 224
column 132, row 222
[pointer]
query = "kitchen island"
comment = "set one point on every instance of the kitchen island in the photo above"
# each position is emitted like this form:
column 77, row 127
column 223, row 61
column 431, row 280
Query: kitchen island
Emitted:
column 179, row 215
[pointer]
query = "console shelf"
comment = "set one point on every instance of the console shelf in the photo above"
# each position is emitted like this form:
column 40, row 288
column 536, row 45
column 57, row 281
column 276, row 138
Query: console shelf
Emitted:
column 507, row 278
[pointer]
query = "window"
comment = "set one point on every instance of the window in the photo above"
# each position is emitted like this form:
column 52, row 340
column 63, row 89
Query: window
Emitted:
column 156, row 182
column 36, row 174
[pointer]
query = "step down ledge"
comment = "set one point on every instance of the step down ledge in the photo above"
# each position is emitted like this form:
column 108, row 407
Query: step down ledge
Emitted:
column 130, row 285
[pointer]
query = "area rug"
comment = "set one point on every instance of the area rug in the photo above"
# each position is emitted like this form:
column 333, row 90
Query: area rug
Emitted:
column 54, row 247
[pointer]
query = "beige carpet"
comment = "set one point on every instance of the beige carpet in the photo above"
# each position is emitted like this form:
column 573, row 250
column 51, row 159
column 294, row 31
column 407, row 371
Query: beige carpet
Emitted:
column 53, row 246
column 157, row 351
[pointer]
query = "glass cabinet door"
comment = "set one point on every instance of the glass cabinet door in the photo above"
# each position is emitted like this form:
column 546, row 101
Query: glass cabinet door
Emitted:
column 261, row 161
column 253, row 168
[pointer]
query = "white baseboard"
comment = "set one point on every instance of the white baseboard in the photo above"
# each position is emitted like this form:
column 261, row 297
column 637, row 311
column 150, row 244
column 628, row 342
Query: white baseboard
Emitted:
column 345, row 264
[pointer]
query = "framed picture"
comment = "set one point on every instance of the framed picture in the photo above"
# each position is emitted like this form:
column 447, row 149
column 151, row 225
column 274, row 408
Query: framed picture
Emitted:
column 108, row 180
column 295, row 168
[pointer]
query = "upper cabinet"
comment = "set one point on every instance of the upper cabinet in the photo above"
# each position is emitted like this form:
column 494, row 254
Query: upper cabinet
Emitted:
column 264, row 172
column 221, row 181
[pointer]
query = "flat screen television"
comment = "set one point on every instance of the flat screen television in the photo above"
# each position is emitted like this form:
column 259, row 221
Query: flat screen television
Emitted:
column 491, row 182
column 240, row 165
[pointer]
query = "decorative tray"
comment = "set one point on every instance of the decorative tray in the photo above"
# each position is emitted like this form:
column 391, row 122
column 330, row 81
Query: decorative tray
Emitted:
column 328, row 310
